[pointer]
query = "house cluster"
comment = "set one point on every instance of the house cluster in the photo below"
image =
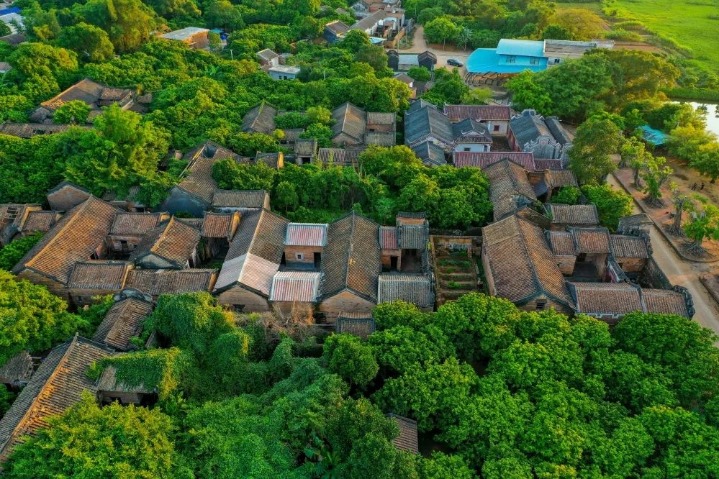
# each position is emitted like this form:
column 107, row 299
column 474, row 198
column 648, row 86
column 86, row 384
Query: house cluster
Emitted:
column 481, row 135
column 275, row 65
column 381, row 20
column 563, row 258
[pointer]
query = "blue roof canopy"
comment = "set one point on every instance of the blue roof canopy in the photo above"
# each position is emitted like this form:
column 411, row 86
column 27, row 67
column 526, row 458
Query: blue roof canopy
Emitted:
column 653, row 136
column 525, row 48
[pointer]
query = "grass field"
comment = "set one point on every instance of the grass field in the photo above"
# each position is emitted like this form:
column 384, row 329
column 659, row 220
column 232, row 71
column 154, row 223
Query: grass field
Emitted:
column 693, row 24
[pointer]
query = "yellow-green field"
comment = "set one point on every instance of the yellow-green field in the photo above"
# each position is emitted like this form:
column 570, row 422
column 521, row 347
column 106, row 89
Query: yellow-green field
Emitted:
column 693, row 24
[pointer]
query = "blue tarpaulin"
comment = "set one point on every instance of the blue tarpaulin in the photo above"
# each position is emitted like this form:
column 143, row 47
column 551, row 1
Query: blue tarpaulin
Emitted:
column 653, row 136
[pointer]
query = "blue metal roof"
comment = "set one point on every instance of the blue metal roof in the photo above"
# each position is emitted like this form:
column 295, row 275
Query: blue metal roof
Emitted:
column 486, row 60
column 525, row 48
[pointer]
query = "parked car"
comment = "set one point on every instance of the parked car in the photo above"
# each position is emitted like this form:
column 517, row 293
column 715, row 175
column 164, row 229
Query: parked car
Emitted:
column 454, row 62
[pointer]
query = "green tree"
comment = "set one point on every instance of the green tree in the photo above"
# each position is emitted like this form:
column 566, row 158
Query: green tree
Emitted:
column 91, row 43
column 419, row 73
column 655, row 173
column 12, row 253
column 72, row 112
column 440, row 30
column 527, row 92
column 579, row 23
column 703, row 223
column 88, row 441
column 319, row 114
column 42, row 69
column 567, row 195
column 286, row 196
column 590, row 155
column 351, row 359
column 128, row 23
column 223, row 14
column 611, row 204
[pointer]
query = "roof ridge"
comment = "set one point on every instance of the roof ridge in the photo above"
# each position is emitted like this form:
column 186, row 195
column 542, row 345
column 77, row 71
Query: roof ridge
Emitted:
column 535, row 277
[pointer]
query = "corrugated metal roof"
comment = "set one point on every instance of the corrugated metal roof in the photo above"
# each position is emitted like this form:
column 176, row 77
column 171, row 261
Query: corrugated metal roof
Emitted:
column 525, row 48
column 296, row 286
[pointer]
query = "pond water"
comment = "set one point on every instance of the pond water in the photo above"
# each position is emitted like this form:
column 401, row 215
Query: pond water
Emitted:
column 712, row 115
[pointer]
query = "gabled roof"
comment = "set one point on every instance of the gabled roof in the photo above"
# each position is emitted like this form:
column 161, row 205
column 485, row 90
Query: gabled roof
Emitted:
column 388, row 237
column 122, row 322
column 219, row 225
column 260, row 119
column 370, row 21
column 408, row 439
column 591, row 240
column 135, row 224
column 573, row 215
column 40, row 221
column 413, row 288
column 240, row 199
column 17, row 369
column 74, row 238
column 162, row 281
column 350, row 120
column 86, row 91
column 625, row 246
column 558, row 131
column 478, row 112
column 562, row 243
column 198, row 180
column 356, row 324
column 174, row 241
column 338, row 156
column 430, row 154
column 306, row 234
column 57, row 385
column 528, row 126
column 255, row 253
column 267, row 55
column 337, row 27
column 598, row 299
column 559, row 178
column 665, row 301
column 295, row 286
column 105, row 275
column 427, row 121
column 508, row 184
column 471, row 131
column 352, row 257
column 486, row 159
column 520, row 262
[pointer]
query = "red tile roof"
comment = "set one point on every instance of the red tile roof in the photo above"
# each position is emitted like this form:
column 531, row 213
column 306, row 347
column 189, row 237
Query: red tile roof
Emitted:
column 483, row 160
column 306, row 234
column 388, row 237
column 478, row 112
column 104, row 275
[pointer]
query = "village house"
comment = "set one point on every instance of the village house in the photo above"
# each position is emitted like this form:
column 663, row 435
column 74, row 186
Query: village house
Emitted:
column 123, row 320
column 193, row 37
column 283, row 72
column 409, row 81
column 509, row 188
column 483, row 160
column 57, row 385
column 417, row 289
column 268, row 58
column 17, row 371
column 381, row 23
column 545, row 137
column 155, row 282
column 335, row 31
column 402, row 62
column 12, row 220
column 355, row 127
column 304, row 245
column 496, row 117
column 431, row 154
column 339, row 156
column 305, row 150
column 227, row 201
column 218, row 230
column 562, row 216
column 171, row 245
column 65, row 196
column 129, row 229
column 90, row 279
column 260, row 119
column 295, row 292
column 356, row 324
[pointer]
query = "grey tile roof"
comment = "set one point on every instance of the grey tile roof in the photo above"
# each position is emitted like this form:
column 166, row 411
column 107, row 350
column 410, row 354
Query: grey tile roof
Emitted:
column 573, row 215
column 624, row 246
column 350, row 120
column 430, row 154
column 239, row 199
column 558, row 131
column 260, row 119
column 509, row 187
column 416, row 289
column 356, row 324
column 426, row 121
column 527, row 127
column 339, row 156
column 471, row 131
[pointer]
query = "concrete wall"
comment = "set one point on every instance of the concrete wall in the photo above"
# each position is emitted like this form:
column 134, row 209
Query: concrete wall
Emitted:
column 307, row 253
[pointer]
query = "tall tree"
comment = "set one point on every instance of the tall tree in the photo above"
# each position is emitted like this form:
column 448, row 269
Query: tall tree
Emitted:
column 590, row 156
column 91, row 43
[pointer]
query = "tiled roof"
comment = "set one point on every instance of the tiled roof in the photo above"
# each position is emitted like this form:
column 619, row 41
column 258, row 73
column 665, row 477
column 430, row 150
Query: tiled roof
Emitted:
column 107, row 275
column 412, row 288
column 350, row 120
column 430, row 154
column 306, row 147
column 299, row 286
column 413, row 236
column 624, row 246
column 381, row 138
column 85, row 90
column 28, row 130
column 426, row 121
column 471, row 131
column 157, row 282
column 591, row 240
column 219, row 225
column 74, row 238
column 338, row 156
column 267, row 55
column 485, row 159
column 355, row 323
column 173, row 241
column 17, row 369
column 558, row 131
column 665, row 302
column 352, row 257
column 528, row 126
column 388, row 237
column 559, row 178
column 273, row 159
column 255, row 253
column 508, row 183
column 135, row 224
column 598, row 299
column 306, row 234
column 239, row 198
column 40, row 221
column 573, row 215
column 478, row 112
column 548, row 164
column 292, row 134
column 122, row 322
column 260, row 119
column 408, row 439
column 198, row 180
column 562, row 243
column 375, row 118
column 57, row 385
column 521, row 263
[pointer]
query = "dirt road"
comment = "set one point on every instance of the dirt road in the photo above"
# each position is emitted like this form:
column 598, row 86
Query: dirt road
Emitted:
column 682, row 273
column 419, row 45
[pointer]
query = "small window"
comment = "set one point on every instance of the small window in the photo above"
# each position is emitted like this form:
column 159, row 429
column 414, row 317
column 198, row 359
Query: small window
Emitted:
column 468, row 149
column 541, row 304
column 534, row 61
column 495, row 128
column 300, row 256
column 511, row 59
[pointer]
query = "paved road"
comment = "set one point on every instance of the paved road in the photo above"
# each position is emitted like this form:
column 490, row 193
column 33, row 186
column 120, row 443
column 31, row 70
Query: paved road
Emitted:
column 683, row 273
column 419, row 45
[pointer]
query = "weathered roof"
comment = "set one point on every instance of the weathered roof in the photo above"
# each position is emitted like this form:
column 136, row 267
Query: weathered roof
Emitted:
column 376, row 118
column 273, row 159
column 558, row 131
column 606, row 298
column 57, row 385
column 295, row 286
column 184, row 33
column 122, row 322
column 471, row 131
column 562, row 243
column 40, row 221
column 17, row 369
column 485, row 159
column 198, row 180
column 528, row 126
column 665, row 302
column 255, row 253
column 412, row 288
column 381, row 138
column 105, row 275
column 173, row 241
column 573, row 215
column 559, row 178
column 591, row 240
column 135, row 224
column 508, row 183
column 108, row 382
column 388, row 237
column 267, row 55
column 292, row 134
column 306, row 147
column 350, row 120
column 339, row 156
column 408, row 439
column 28, row 130
column 85, row 90
column 521, row 263
column 426, row 121
column 352, row 257
column 478, row 112
column 240, row 199
column 625, row 246
column 164, row 281
column 356, row 324
column 306, row 234
column 260, row 119
column 219, row 225
column 430, row 154
column 74, row 238
column 413, row 236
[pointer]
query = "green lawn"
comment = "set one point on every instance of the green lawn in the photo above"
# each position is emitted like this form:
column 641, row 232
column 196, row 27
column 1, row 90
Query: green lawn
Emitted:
column 687, row 22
